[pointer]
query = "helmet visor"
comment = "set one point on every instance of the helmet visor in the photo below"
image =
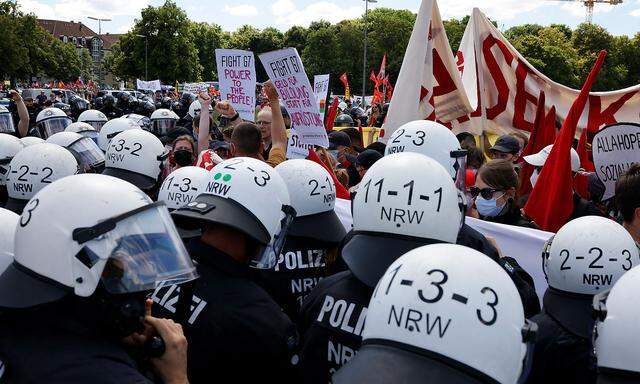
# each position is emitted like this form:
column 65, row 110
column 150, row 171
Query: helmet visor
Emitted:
column 93, row 135
column 161, row 127
column 88, row 153
column 266, row 257
column 96, row 124
column 6, row 123
column 52, row 126
column 142, row 250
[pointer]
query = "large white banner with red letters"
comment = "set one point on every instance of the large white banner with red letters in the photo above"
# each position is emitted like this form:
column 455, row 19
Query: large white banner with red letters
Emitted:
column 504, row 88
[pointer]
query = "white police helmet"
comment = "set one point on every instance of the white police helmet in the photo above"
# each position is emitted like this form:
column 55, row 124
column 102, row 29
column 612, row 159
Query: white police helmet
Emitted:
column 84, row 129
column 94, row 118
column 35, row 167
column 313, row 195
column 9, row 147
column 616, row 337
column 51, row 120
column 106, row 231
column 235, row 197
column 405, row 200
column 434, row 140
column 8, row 224
column 195, row 107
column 6, row 121
column 162, row 121
column 136, row 156
column 446, row 314
column 181, row 186
column 90, row 158
column 31, row 140
column 112, row 128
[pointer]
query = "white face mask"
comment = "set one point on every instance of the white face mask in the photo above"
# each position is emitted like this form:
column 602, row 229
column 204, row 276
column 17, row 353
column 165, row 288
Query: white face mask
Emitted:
column 534, row 177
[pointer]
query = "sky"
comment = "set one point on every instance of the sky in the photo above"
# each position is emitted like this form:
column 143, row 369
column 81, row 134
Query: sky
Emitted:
column 622, row 19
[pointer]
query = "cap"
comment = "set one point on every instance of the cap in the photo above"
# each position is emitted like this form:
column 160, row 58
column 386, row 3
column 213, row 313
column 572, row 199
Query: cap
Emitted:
column 538, row 159
column 506, row 144
column 337, row 138
column 367, row 158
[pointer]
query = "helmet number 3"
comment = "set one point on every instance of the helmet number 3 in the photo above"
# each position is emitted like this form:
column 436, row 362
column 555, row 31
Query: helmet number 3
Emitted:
column 28, row 211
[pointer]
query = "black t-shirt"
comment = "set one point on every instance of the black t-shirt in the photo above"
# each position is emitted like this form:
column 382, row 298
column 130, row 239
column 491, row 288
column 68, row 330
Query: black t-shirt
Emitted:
column 301, row 265
column 236, row 332
column 331, row 324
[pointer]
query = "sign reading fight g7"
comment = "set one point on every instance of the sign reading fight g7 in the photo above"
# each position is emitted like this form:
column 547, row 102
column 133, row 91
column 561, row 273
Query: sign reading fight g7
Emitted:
column 285, row 70
column 615, row 148
column 237, row 77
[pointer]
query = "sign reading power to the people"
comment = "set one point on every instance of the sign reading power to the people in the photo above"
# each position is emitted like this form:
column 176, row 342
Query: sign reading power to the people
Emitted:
column 237, row 76
column 615, row 148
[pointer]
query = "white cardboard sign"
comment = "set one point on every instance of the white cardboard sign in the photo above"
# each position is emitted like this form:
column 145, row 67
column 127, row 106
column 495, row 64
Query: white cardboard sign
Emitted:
column 615, row 148
column 321, row 90
column 237, row 79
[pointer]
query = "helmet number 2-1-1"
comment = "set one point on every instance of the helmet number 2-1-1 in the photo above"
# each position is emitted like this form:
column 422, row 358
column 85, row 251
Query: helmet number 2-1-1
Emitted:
column 486, row 313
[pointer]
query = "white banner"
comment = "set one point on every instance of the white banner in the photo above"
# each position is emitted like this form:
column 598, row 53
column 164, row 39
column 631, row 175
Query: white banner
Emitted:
column 615, row 148
column 196, row 87
column 285, row 69
column 523, row 244
column 237, row 78
column 429, row 84
column 504, row 88
column 321, row 90
column 153, row 85
column 295, row 149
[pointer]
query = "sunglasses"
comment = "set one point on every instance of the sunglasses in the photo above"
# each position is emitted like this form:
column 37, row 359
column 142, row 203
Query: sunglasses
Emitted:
column 486, row 193
column 263, row 122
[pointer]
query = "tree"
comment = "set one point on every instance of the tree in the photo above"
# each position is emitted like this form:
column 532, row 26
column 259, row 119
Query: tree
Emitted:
column 455, row 30
column 295, row 37
column 207, row 38
column 86, row 70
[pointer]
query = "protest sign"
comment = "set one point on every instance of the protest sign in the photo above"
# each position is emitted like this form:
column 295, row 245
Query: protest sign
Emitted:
column 321, row 90
column 153, row 85
column 284, row 68
column 615, row 148
column 195, row 87
column 295, row 149
column 237, row 78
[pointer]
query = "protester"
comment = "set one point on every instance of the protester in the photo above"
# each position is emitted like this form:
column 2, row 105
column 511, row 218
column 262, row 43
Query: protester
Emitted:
column 182, row 152
column 507, row 148
column 495, row 194
column 355, row 136
column 585, row 257
column 41, row 98
column 581, row 207
column 627, row 200
column 364, row 161
column 74, row 287
column 340, row 149
column 233, row 321
column 7, row 124
column 419, row 328
column 378, row 239
column 264, row 119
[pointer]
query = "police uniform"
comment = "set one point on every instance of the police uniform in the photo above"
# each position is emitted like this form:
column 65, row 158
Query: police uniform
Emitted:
column 52, row 345
column 236, row 332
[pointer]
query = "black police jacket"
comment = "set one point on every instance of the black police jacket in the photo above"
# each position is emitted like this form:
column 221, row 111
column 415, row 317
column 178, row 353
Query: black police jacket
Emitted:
column 582, row 207
column 299, row 268
column 50, row 345
column 236, row 332
column 331, row 323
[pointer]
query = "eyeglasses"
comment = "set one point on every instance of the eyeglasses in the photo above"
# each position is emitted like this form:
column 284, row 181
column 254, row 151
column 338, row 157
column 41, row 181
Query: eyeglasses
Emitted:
column 263, row 123
column 486, row 193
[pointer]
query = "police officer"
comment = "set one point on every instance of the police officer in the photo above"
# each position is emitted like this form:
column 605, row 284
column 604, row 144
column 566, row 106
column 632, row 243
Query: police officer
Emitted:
column 236, row 332
column 585, row 257
column 9, row 147
column 616, row 337
column 312, row 242
column 438, row 142
column 343, row 120
column 33, row 168
column 112, row 128
column 404, row 201
column 50, row 121
column 137, row 156
column 109, row 107
column 162, row 121
column 30, row 140
column 83, row 129
column 76, row 288
column 431, row 321
column 89, row 157
column 94, row 118
column 8, row 225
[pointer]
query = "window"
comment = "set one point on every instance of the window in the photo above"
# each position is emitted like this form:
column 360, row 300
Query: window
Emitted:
column 64, row 39
column 75, row 40
column 84, row 42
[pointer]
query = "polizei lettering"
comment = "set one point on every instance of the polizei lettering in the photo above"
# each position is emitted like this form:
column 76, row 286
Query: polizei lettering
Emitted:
column 417, row 321
column 342, row 315
column 312, row 258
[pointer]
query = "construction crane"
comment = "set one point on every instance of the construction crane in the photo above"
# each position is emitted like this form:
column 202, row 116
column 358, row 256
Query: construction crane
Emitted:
column 591, row 3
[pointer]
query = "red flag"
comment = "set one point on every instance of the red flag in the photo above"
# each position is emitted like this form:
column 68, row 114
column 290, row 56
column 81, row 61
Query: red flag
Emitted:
column 383, row 67
column 373, row 78
column 377, row 96
column 331, row 116
column 345, row 81
column 581, row 181
column 341, row 191
column 551, row 202
column 389, row 88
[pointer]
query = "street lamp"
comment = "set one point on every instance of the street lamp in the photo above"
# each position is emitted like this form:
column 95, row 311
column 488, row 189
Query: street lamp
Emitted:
column 146, row 74
column 99, row 20
column 364, row 62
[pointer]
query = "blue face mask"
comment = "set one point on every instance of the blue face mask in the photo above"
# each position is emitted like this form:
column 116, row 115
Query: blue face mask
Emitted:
column 489, row 208
column 334, row 153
